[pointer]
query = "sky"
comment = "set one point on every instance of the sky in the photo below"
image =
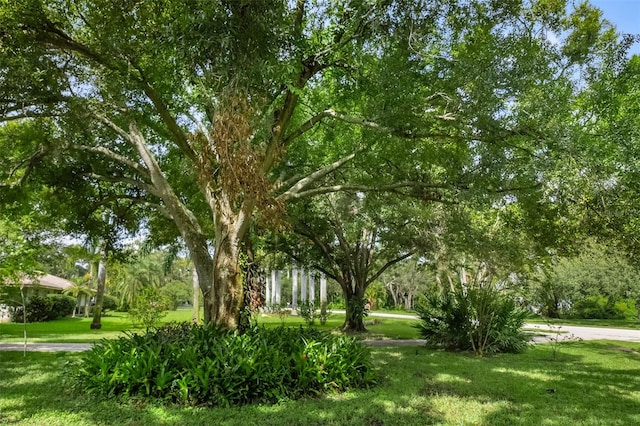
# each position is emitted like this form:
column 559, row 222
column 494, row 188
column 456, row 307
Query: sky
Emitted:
column 624, row 14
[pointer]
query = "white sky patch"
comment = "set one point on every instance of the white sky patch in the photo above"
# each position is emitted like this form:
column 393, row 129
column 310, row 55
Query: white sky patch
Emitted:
column 552, row 38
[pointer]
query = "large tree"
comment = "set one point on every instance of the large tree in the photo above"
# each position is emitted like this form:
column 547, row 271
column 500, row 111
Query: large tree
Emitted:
column 203, row 109
column 353, row 239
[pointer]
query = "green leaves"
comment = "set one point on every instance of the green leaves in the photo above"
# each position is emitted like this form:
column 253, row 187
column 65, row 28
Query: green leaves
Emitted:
column 474, row 316
column 194, row 365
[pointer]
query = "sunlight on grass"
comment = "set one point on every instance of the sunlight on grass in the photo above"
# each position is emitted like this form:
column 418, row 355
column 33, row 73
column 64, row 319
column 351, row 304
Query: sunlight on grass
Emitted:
column 77, row 330
column 450, row 378
column 535, row 375
column 594, row 383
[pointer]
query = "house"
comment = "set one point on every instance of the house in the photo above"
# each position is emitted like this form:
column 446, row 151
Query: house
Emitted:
column 45, row 284
column 40, row 286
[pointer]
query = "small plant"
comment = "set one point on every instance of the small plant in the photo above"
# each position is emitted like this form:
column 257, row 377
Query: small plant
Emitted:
column 358, row 308
column 324, row 315
column 148, row 309
column 280, row 310
column 307, row 311
column 556, row 339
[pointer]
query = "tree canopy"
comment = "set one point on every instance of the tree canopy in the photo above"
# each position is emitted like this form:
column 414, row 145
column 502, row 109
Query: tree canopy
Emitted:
column 204, row 116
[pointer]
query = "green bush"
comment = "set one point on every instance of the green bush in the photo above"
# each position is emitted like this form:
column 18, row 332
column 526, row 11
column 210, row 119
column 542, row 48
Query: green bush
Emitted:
column 477, row 318
column 307, row 311
column 601, row 307
column 201, row 365
column 47, row 308
column 38, row 309
column 176, row 292
column 61, row 306
column 109, row 303
column 149, row 308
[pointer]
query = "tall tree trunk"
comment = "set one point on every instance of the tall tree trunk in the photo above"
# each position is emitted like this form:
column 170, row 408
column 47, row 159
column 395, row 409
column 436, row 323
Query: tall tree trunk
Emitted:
column 102, row 276
column 225, row 302
column 354, row 297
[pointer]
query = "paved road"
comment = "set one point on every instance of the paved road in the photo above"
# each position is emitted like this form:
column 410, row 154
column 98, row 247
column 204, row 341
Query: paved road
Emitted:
column 46, row 347
column 587, row 333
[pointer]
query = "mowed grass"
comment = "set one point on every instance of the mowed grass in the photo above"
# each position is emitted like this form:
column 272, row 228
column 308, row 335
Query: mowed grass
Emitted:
column 76, row 330
column 590, row 383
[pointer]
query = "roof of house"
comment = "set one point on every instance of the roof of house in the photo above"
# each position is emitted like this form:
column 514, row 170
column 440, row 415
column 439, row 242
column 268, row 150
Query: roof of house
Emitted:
column 48, row 281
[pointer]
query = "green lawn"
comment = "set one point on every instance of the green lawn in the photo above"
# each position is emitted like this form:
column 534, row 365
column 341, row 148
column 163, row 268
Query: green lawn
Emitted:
column 591, row 383
column 76, row 330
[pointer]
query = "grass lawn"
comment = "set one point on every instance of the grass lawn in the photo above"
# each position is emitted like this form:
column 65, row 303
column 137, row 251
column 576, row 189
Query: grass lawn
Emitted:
column 76, row 330
column 591, row 383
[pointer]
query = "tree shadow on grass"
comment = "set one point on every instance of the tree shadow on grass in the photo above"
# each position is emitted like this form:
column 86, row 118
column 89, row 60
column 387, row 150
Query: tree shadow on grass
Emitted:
column 416, row 386
column 533, row 388
column 43, row 396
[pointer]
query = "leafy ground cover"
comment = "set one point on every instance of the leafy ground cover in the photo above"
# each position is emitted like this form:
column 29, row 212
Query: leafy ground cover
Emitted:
column 76, row 330
column 590, row 383
column 193, row 365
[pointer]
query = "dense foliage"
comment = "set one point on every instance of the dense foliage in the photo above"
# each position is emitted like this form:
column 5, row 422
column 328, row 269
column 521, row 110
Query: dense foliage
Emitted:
column 45, row 308
column 202, row 365
column 589, row 284
column 477, row 318
column 600, row 307
column 210, row 119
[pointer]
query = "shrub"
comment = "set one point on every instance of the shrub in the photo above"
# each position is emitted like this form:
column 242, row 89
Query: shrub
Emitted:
column 47, row 308
column 307, row 311
column 149, row 308
column 477, row 318
column 61, row 306
column 201, row 365
column 176, row 292
column 109, row 303
column 601, row 307
column 38, row 309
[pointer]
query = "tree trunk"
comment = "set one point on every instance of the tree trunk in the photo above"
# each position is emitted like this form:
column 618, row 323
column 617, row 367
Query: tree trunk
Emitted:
column 408, row 301
column 226, row 299
column 355, row 301
column 96, row 324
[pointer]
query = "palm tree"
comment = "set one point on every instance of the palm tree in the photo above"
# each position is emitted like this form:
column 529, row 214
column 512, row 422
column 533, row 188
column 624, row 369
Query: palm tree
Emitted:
column 80, row 290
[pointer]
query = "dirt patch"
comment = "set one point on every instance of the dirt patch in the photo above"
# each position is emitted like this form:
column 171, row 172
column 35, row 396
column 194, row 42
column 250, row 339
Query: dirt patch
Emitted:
column 625, row 350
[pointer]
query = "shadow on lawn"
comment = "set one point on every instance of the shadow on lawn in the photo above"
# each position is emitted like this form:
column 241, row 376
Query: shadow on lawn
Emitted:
column 532, row 389
column 417, row 386
column 24, row 399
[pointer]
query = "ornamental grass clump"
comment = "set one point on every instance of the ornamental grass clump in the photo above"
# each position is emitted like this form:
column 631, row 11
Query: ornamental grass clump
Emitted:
column 202, row 365
column 475, row 317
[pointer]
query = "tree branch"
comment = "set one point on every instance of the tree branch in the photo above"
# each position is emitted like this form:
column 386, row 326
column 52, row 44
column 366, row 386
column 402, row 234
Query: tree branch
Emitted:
column 313, row 177
column 143, row 202
column 179, row 137
column 306, row 231
column 121, row 179
column 31, row 162
column 389, row 264
column 59, row 39
column 379, row 128
column 113, row 126
column 114, row 156
column 365, row 188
